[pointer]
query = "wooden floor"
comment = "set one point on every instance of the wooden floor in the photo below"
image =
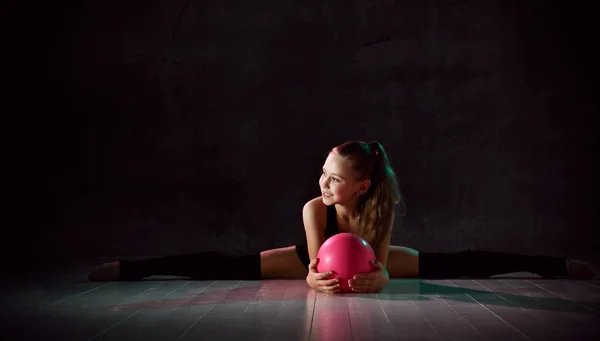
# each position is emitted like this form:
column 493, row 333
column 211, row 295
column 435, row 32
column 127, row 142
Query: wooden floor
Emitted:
column 65, row 306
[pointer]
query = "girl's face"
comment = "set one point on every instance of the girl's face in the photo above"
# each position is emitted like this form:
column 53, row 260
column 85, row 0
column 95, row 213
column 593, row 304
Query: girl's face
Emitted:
column 337, row 181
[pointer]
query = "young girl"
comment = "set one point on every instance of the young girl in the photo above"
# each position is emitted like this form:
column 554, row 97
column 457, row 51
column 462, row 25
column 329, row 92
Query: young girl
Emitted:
column 359, row 193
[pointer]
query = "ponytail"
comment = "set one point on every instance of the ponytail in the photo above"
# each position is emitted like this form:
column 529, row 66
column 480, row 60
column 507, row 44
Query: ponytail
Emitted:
column 376, row 205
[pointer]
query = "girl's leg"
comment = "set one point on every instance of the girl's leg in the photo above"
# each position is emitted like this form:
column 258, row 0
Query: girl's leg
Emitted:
column 277, row 263
column 483, row 264
column 405, row 262
column 282, row 263
column 197, row 266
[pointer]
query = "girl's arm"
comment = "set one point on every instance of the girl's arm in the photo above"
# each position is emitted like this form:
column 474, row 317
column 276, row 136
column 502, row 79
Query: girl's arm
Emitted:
column 312, row 217
column 379, row 277
column 314, row 226
column 384, row 248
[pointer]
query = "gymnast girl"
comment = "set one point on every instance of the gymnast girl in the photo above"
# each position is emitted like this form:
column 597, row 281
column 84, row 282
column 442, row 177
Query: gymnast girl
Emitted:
column 360, row 194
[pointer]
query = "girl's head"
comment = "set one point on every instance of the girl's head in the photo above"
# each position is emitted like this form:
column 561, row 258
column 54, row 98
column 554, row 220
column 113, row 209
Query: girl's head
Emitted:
column 359, row 174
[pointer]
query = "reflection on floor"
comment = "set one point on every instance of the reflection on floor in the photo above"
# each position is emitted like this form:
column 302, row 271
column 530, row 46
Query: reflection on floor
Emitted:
column 63, row 305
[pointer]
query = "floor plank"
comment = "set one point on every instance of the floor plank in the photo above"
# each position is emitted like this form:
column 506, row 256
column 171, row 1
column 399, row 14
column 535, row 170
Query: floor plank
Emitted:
column 65, row 306
column 408, row 321
column 448, row 322
column 573, row 319
column 550, row 319
column 470, row 304
column 330, row 320
column 368, row 320
column 509, row 307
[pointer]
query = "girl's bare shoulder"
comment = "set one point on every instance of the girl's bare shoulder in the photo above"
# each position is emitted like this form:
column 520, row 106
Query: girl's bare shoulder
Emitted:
column 317, row 210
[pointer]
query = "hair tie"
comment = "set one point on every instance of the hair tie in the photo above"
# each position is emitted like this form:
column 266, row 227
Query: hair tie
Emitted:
column 374, row 149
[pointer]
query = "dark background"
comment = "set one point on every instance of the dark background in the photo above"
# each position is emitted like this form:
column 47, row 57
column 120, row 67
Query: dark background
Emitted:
column 152, row 127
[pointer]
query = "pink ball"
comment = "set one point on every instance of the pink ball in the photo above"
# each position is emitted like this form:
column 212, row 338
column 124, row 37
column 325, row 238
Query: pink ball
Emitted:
column 346, row 255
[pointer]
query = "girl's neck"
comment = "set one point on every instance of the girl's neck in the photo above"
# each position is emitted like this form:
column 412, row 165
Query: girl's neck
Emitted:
column 346, row 213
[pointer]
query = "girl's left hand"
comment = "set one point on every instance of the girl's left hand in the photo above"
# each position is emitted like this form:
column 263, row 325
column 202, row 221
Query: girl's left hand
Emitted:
column 370, row 282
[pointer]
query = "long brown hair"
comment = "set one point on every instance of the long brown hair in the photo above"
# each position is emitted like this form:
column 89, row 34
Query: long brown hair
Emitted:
column 376, row 206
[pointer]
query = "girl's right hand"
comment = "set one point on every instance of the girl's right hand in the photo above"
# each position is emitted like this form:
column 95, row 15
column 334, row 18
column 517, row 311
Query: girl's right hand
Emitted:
column 318, row 280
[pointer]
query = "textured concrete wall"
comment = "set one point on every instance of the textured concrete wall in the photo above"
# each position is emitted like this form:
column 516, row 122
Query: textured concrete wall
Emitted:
column 174, row 126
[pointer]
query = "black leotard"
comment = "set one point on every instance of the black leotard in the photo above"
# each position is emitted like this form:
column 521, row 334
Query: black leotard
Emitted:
column 330, row 229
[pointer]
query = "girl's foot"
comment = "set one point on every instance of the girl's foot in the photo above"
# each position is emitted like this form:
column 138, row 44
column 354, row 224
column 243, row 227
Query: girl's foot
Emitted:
column 578, row 269
column 107, row 272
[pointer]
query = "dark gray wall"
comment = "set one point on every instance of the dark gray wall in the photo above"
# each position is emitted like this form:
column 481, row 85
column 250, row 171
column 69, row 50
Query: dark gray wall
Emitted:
column 153, row 127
